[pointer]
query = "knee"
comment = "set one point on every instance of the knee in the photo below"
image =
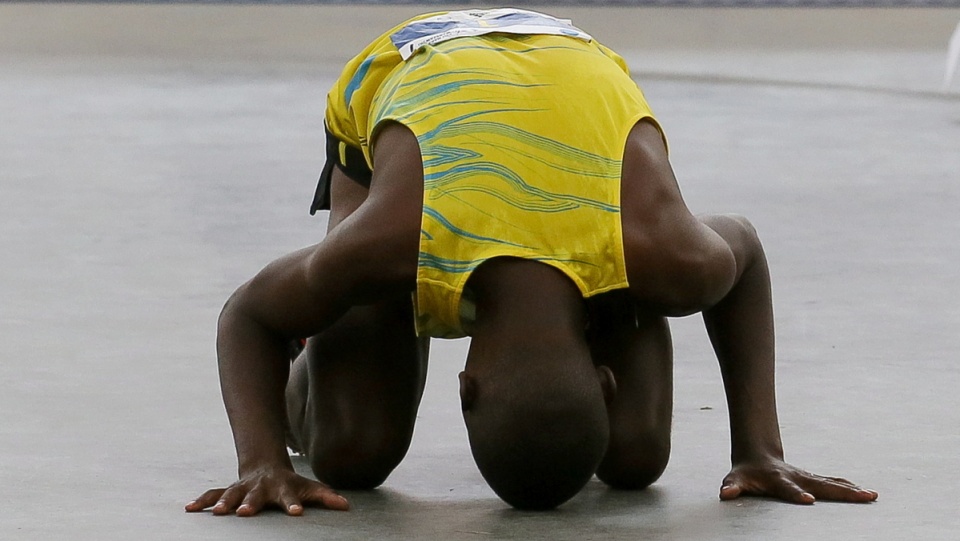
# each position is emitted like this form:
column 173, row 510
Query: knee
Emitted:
column 358, row 459
column 635, row 463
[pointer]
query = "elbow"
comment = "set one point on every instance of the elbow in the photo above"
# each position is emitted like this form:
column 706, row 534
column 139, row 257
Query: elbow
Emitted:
column 703, row 279
column 233, row 310
column 734, row 247
column 679, row 275
column 227, row 315
column 693, row 278
column 718, row 275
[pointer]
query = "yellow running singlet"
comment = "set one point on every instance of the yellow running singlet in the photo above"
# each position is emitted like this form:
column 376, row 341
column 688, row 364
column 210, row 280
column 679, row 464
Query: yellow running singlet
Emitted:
column 522, row 138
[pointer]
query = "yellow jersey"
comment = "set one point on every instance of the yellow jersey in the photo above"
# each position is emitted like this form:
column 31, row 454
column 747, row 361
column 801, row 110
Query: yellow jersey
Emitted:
column 522, row 139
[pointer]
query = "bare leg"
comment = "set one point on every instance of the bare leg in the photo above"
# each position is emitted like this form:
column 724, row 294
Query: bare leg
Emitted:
column 638, row 350
column 356, row 390
column 353, row 394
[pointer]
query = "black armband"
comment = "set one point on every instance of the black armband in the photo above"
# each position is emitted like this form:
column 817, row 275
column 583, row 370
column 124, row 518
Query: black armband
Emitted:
column 346, row 158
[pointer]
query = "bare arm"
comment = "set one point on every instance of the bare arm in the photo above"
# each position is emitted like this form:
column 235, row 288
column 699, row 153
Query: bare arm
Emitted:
column 254, row 330
column 741, row 330
column 370, row 254
column 679, row 264
column 297, row 295
column 253, row 334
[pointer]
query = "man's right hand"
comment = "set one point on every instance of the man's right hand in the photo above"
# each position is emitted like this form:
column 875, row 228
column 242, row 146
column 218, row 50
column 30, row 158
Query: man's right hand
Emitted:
column 269, row 487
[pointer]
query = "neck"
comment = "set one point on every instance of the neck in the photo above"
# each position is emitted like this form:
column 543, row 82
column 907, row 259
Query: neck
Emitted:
column 526, row 298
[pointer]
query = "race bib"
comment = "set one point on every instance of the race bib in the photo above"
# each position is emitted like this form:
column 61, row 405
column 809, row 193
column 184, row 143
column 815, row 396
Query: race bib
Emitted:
column 455, row 24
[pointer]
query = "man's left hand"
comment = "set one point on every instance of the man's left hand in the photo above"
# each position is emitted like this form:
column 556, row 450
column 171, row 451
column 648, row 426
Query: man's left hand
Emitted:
column 776, row 479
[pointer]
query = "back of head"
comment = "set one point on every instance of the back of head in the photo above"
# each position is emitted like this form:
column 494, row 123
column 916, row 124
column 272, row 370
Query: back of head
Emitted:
column 535, row 443
column 532, row 401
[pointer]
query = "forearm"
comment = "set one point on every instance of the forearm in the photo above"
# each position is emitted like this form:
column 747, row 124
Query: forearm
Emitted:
column 741, row 330
column 253, row 373
column 255, row 328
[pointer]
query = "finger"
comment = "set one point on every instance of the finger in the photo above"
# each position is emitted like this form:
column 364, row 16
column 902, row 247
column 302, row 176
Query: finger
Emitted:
column 868, row 495
column 732, row 487
column 205, row 500
column 332, row 500
column 730, row 491
column 252, row 502
column 863, row 494
column 289, row 501
column 788, row 491
column 840, row 480
column 324, row 496
column 828, row 489
column 228, row 501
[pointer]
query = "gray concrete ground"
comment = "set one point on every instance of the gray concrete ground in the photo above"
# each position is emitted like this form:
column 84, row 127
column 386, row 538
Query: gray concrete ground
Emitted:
column 151, row 159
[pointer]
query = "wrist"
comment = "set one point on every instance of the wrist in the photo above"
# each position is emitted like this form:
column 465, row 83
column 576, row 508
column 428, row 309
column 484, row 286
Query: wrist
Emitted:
column 741, row 454
column 271, row 462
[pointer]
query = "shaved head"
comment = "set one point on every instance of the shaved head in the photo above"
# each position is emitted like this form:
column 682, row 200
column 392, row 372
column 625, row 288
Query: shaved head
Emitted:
column 537, row 439
column 532, row 400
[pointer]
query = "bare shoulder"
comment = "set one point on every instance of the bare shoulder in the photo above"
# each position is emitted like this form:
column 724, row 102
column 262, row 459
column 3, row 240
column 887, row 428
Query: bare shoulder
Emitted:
column 649, row 188
column 378, row 243
column 397, row 165
column 675, row 264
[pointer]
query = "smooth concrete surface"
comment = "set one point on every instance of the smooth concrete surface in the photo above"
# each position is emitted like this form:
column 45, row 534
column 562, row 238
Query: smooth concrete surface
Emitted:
column 149, row 163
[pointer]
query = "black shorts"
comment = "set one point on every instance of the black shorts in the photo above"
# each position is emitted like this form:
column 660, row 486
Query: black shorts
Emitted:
column 350, row 161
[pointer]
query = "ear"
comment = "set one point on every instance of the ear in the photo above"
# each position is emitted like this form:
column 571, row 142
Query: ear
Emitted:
column 607, row 382
column 468, row 391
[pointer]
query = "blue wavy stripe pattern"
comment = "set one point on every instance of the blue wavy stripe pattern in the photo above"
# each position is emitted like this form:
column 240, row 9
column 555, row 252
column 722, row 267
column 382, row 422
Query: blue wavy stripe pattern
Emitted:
column 481, row 102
